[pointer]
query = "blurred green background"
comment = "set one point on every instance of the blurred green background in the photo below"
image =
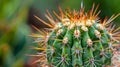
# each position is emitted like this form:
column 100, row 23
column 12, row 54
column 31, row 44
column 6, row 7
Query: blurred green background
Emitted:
column 16, row 18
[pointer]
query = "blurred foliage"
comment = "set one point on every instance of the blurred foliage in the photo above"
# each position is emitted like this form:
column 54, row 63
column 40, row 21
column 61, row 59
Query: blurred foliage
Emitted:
column 13, row 32
column 16, row 15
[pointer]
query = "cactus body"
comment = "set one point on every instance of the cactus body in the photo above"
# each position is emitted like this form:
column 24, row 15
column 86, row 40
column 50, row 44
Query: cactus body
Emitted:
column 79, row 39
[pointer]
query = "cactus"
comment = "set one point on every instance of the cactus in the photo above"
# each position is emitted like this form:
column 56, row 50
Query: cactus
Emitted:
column 77, row 39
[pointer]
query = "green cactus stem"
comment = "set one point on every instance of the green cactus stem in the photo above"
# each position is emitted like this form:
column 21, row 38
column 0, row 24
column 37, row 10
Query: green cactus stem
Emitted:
column 78, row 39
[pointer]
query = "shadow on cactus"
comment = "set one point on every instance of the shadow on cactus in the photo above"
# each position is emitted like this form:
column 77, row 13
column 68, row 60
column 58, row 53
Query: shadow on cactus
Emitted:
column 77, row 39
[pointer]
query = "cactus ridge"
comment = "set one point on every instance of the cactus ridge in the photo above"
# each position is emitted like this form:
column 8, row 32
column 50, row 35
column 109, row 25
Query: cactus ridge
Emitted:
column 77, row 39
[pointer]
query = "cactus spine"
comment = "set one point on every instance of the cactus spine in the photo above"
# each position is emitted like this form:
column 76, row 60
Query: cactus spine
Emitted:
column 78, row 39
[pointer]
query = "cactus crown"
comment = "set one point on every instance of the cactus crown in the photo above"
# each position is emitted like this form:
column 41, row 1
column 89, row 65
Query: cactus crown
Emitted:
column 77, row 39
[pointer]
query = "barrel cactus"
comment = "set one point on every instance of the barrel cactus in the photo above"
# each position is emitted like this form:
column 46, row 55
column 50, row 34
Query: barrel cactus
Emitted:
column 77, row 39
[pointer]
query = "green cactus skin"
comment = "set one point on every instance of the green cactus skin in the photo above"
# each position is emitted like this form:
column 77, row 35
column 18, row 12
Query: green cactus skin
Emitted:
column 79, row 51
column 78, row 40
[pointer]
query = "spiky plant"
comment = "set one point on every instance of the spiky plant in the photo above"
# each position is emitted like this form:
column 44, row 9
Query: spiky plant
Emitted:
column 77, row 39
